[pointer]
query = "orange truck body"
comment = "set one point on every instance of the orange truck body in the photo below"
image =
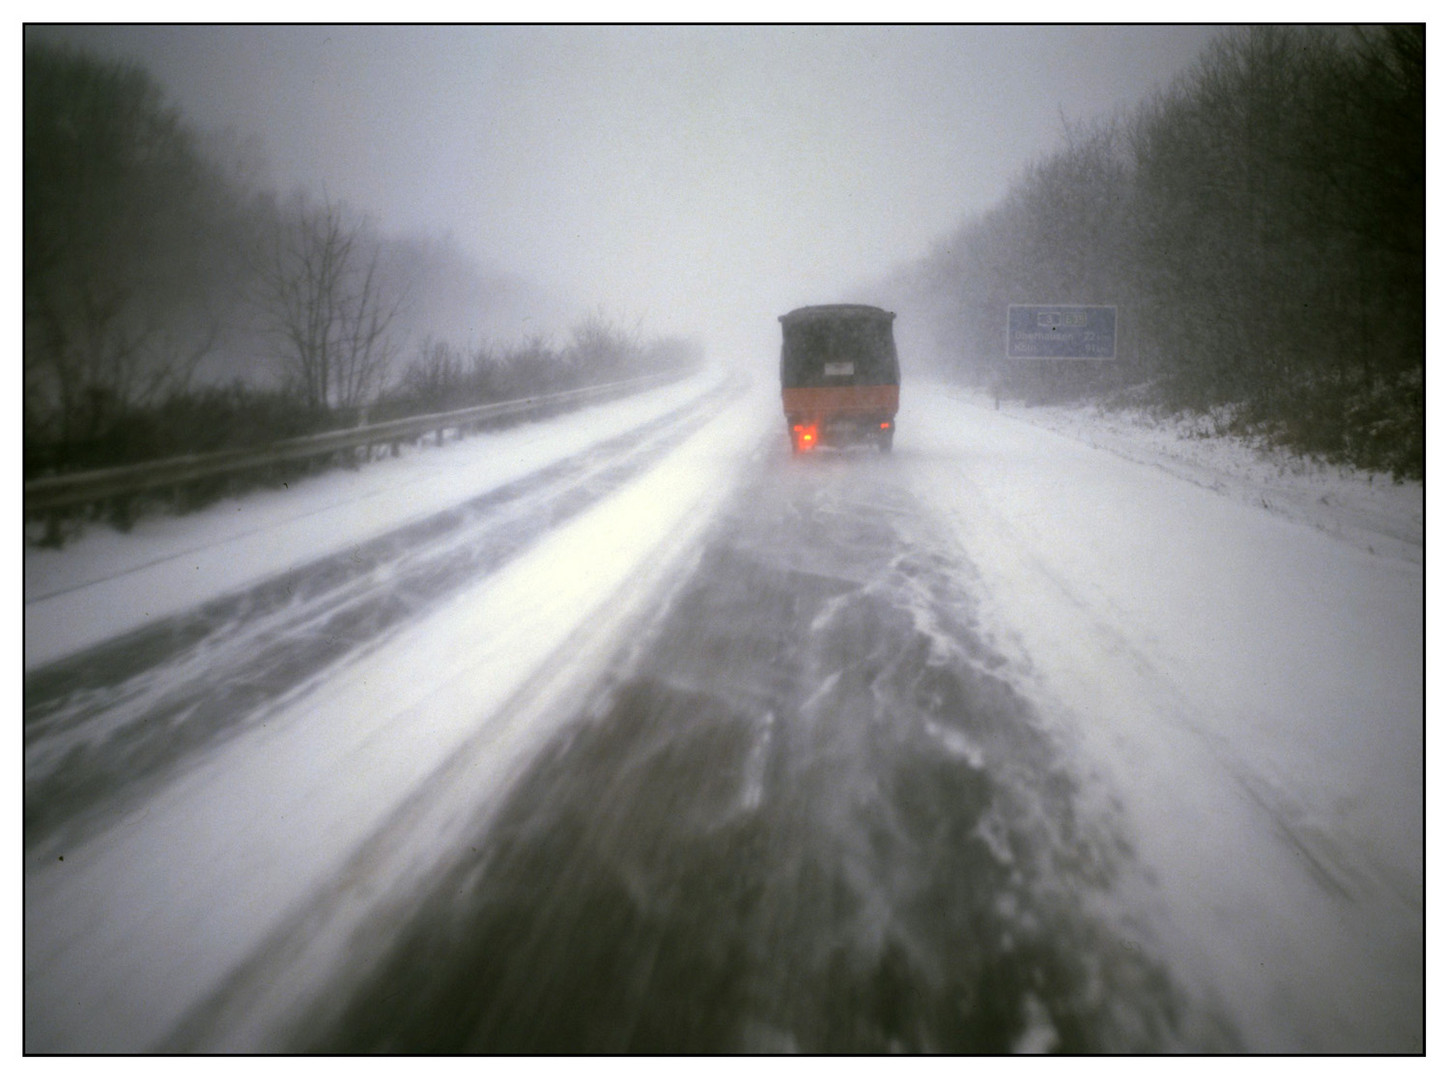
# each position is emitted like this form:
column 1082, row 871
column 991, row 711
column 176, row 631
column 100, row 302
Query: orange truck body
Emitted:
column 813, row 404
column 839, row 375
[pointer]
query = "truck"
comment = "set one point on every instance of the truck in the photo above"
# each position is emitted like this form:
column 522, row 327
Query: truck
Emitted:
column 839, row 376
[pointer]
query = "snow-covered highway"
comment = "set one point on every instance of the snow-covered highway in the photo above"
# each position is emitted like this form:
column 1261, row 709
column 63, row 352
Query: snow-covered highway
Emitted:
column 625, row 730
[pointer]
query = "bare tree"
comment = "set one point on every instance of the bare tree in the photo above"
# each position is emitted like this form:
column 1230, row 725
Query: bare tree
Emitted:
column 328, row 304
column 597, row 348
column 435, row 377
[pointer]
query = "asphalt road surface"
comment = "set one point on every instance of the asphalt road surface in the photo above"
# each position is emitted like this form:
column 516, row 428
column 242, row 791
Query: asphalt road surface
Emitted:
column 807, row 813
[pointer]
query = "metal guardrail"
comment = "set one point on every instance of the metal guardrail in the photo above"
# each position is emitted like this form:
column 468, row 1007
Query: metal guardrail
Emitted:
column 50, row 494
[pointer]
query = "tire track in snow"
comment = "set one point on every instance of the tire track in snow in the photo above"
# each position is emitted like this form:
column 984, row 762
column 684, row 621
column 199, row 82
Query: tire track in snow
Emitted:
column 110, row 722
column 1354, row 921
column 1346, row 874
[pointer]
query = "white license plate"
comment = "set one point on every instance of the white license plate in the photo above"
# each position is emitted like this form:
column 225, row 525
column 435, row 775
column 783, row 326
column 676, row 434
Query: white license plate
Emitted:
column 846, row 368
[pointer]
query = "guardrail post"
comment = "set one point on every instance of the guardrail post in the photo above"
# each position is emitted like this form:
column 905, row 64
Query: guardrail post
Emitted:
column 120, row 514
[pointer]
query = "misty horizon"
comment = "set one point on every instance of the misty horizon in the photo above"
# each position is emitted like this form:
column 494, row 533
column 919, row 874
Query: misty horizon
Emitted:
column 700, row 180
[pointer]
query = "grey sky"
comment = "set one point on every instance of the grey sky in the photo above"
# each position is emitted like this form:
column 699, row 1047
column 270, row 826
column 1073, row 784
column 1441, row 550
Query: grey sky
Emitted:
column 705, row 179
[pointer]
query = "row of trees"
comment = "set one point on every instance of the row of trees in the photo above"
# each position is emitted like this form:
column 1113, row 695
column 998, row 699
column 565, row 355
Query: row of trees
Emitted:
column 172, row 303
column 121, row 301
column 443, row 375
column 1260, row 228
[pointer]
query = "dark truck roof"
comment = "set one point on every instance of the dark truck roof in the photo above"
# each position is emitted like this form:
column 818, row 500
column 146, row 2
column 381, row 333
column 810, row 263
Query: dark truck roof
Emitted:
column 835, row 333
column 837, row 311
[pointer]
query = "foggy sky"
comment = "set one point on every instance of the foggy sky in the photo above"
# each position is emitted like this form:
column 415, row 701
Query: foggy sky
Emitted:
column 702, row 179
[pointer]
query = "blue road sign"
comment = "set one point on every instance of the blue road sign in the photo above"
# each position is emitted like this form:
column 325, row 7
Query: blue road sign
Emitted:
column 1061, row 332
